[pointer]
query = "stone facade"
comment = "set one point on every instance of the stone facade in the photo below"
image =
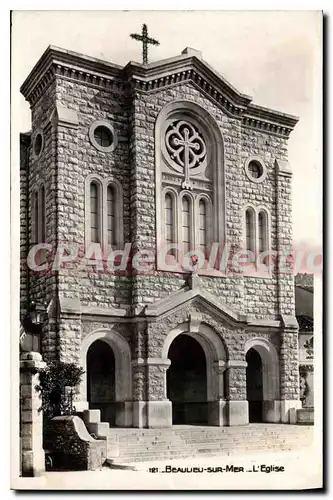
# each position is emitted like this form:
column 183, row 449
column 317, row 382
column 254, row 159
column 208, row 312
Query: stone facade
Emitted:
column 137, row 313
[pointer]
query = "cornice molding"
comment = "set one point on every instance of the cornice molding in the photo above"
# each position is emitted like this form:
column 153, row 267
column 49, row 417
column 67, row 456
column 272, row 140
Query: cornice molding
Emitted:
column 56, row 62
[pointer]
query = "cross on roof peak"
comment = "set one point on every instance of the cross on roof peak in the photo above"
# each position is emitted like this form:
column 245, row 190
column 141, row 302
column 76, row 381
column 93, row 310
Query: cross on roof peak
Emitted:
column 145, row 39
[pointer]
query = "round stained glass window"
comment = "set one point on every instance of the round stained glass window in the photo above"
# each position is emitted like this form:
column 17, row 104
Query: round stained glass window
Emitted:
column 255, row 169
column 103, row 136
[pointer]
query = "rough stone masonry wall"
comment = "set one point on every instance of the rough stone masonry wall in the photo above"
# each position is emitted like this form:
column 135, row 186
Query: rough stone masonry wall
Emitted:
column 24, row 216
column 42, row 170
column 77, row 158
column 255, row 296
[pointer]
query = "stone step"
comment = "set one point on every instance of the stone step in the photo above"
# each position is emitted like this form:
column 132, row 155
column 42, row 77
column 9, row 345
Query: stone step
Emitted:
column 189, row 442
column 124, row 451
column 134, row 445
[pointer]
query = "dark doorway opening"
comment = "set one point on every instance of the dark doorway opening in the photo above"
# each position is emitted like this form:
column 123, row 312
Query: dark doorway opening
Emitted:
column 101, row 380
column 187, row 381
column 254, row 385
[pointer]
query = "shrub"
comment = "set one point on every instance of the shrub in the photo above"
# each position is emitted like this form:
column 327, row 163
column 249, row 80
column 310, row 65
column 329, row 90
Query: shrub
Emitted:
column 57, row 383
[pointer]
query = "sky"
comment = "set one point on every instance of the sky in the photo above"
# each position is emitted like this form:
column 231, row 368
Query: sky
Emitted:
column 273, row 56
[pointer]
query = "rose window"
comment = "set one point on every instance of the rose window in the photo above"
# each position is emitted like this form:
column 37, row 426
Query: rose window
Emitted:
column 186, row 148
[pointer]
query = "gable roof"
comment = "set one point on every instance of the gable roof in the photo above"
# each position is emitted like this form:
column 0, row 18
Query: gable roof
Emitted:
column 212, row 303
column 186, row 67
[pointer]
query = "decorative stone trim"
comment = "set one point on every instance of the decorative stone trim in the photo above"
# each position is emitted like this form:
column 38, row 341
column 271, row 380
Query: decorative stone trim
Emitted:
column 220, row 366
column 283, row 168
column 260, row 161
column 109, row 127
column 73, row 306
column 151, row 361
column 64, row 117
column 264, row 126
column 262, row 323
column 103, row 311
column 233, row 363
column 194, row 320
column 289, row 322
column 187, row 67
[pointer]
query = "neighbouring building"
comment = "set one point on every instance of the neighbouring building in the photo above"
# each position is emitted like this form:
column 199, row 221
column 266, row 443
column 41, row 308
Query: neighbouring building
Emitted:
column 304, row 314
column 133, row 159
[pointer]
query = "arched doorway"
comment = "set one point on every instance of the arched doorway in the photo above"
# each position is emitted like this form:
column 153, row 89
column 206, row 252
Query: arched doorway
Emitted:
column 101, row 393
column 187, row 381
column 254, row 385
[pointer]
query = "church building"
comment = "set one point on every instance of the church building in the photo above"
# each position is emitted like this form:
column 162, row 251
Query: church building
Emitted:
column 142, row 188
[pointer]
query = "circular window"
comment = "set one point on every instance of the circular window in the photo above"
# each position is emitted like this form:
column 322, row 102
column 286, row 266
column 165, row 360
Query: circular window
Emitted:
column 103, row 136
column 38, row 144
column 255, row 169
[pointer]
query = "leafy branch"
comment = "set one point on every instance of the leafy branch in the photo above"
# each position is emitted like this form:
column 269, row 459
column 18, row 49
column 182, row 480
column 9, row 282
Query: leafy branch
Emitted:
column 57, row 383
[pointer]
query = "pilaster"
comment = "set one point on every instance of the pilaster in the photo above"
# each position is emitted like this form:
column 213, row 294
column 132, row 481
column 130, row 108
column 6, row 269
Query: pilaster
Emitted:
column 33, row 458
column 151, row 408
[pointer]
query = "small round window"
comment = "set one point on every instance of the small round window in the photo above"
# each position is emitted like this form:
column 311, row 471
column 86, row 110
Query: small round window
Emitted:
column 255, row 169
column 38, row 144
column 103, row 136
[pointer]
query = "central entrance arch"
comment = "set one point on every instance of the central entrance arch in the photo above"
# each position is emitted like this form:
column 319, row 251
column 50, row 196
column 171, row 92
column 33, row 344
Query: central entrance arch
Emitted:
column 187, row 381
column 199, row 356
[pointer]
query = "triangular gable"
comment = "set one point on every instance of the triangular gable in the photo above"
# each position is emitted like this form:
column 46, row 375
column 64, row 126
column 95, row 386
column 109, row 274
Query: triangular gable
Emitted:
column 187, row 67
column 196, row 293
column 183, row 296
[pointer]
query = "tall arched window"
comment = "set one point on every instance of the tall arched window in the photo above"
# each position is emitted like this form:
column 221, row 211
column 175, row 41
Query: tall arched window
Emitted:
column 257, row 234
column 250, row 230
column 94, row 213
column 35, row 212
column 104, row 212
column 42, row 205
column 261, row 232
column 169, row 224
column 186, row 224
column 189, row 154
column 111, row 215
column 203, row 226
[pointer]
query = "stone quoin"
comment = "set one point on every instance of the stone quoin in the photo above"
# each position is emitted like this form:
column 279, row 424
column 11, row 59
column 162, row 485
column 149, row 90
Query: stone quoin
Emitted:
column 153, row 154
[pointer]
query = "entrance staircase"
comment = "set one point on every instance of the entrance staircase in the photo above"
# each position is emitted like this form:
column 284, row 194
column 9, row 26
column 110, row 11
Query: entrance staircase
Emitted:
column 185, row 441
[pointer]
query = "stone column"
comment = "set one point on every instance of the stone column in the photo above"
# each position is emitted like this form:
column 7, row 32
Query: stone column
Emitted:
column 289, row 370
column 151, row 408
column 237, row 404
column 217, row 409
column 33, row 459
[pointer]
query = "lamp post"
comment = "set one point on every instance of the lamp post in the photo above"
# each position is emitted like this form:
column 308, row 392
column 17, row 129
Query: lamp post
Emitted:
column 31, row 327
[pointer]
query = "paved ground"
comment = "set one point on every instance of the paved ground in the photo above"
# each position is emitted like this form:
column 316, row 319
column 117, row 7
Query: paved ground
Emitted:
column 302, row 470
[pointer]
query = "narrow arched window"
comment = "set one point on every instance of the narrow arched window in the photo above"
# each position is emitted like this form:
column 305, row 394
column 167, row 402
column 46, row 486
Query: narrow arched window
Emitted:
column 42, row 215
column 262, row 231
column 250, row 236
column 111, row 215
column 203, row 226
column 169, row 219
column 186, row 224
column 94, row 213
column 34, row 219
